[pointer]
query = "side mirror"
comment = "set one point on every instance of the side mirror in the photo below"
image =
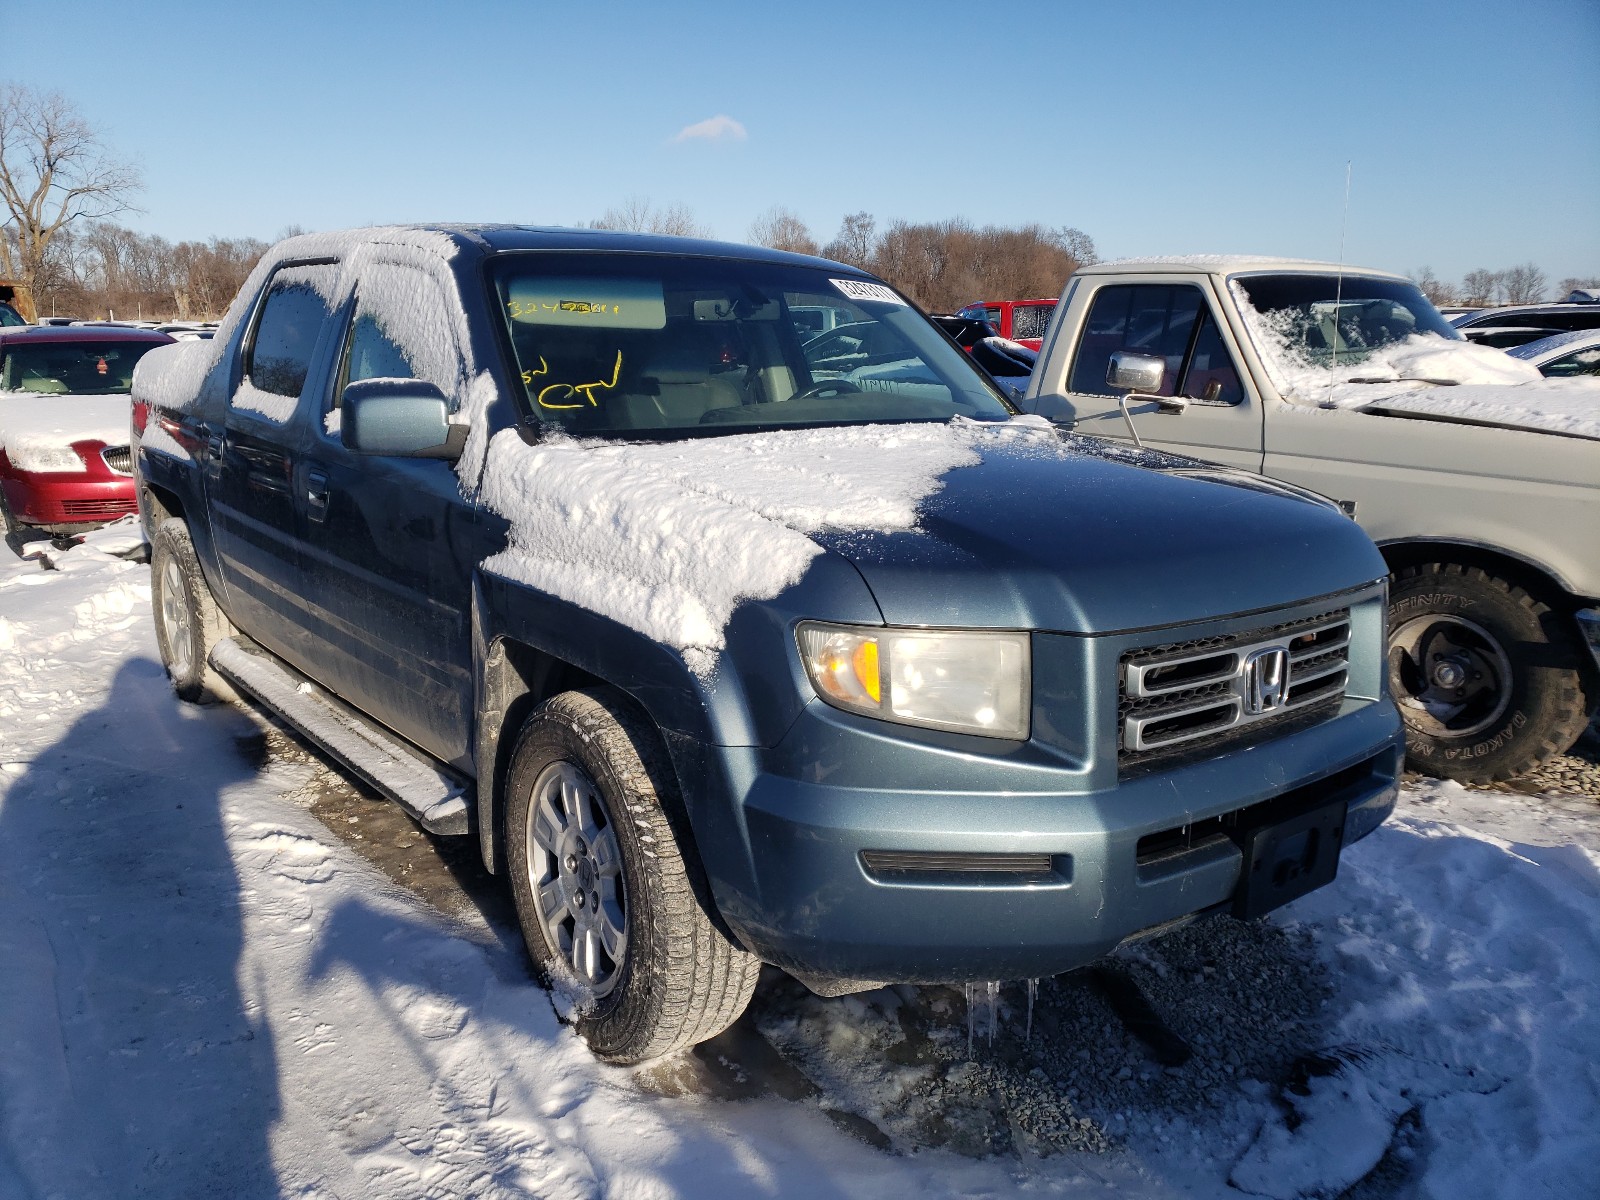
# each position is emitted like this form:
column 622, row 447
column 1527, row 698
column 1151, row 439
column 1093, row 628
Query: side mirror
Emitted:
column 407, row 418
column 1130, row 372
column 1140, row 375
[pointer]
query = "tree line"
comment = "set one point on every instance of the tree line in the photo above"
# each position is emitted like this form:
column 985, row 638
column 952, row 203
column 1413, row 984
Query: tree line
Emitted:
column 60, row 187
column 1483, row 288
column 942, row 265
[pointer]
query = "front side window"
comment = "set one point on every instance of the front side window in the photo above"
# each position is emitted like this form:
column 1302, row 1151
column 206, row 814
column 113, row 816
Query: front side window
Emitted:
column 72, row 368
column 291, row 320
column 1156, row 319
column 657, row 344
column 1170, row 321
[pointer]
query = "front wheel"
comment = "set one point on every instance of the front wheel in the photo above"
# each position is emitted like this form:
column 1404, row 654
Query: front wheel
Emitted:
column 1488, row 679
column 611, row 901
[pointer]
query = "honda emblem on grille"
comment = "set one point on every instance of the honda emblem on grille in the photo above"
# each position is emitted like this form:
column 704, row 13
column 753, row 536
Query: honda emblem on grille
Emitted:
column 1266, row 680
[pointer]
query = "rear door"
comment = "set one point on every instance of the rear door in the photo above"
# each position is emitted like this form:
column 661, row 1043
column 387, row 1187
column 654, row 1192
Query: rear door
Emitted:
column 390, row 543
column 1174, row 320
column 255, row 519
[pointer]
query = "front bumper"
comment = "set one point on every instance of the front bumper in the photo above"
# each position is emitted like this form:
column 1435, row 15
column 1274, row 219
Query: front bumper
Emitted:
column 806, row 900
column 65, row 501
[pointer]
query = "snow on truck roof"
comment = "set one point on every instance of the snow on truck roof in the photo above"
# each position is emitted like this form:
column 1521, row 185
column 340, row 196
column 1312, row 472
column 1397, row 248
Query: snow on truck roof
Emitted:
column 445, row 239
column 1228, row 264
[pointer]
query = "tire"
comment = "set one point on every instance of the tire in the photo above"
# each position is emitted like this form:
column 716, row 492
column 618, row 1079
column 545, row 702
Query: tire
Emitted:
column 188, row 621
column 591, row 811
column 1490, row 680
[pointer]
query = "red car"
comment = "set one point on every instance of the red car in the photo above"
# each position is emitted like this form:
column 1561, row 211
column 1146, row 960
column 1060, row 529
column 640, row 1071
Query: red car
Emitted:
column 64, row 461
column 1020, row 320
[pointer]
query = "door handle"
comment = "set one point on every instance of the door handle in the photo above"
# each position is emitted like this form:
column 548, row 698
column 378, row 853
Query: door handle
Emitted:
column 216, row 447
column 317, row 495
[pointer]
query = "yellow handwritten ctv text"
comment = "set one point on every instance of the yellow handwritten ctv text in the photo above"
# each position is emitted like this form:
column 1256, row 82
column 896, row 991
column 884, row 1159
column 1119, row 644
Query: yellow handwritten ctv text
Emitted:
column 552, row 395
column 588, row 308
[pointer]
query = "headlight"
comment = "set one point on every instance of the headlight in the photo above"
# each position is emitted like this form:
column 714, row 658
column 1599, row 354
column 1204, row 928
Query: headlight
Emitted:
column 968, row 681
column 42, row 457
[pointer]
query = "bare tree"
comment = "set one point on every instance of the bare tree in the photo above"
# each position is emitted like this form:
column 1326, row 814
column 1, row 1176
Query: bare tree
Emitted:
column 1573, row 283
column 1435, row 289
column 1480, row 288
column 1525, row 284
column 53, row 171
column 638, row 215
column 780, row 229
column 1080, row 246
column 855, row 241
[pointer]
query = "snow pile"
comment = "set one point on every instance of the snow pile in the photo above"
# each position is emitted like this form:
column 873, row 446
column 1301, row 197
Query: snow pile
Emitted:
column 668, row 538
column 1465, row 940
column 172, row 377
column 1569, row 406
column 39, row 427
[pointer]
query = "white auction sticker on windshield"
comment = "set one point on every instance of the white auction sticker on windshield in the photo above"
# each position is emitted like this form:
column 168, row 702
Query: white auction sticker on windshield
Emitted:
column 860, row 289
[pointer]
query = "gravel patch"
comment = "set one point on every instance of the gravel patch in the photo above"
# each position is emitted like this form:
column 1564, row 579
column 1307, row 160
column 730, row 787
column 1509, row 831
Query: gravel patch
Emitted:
column 1246, row 998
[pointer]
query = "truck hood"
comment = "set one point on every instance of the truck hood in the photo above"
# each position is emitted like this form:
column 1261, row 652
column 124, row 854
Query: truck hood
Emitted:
column 1562, row 406
column 1105, row 540
column 32, row 422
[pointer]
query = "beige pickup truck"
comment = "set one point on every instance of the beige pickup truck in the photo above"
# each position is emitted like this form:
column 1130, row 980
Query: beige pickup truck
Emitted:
column 1479, row 480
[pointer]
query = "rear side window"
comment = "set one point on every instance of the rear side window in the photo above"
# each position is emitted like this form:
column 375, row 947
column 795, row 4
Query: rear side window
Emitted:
column 1584, row 362
column 297, row 307
column 1030, row 320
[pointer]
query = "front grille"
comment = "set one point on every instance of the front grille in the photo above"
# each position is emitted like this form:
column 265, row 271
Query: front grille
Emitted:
column 119, row 459
column 90, row 510
column 1190, row 698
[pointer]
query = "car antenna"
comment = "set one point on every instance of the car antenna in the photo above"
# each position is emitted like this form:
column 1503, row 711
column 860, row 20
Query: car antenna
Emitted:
column 1338, row 290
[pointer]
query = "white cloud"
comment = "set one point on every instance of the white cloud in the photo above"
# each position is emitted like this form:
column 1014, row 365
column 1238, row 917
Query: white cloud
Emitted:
column 720, row 128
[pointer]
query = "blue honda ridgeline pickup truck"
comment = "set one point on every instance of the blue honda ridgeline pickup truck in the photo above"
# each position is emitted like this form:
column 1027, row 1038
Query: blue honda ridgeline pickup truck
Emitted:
column 732, row 643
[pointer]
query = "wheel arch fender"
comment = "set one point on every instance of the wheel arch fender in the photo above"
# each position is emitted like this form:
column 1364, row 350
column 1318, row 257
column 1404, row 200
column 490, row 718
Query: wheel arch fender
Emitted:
column 1537, row 577
column 529, row 646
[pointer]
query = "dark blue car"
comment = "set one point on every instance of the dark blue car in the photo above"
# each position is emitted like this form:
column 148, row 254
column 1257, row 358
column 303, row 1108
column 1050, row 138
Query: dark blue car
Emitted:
column 734, row 644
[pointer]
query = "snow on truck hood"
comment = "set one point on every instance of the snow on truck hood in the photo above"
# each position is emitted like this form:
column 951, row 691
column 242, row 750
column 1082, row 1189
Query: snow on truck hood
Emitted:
column 967, row 523
column 668, row 538
column 31, row 421
column 1565, row 406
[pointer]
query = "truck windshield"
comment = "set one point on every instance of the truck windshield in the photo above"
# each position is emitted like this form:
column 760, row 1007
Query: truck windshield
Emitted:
column 1317, row 317
column 660, row 345
column 75, row 368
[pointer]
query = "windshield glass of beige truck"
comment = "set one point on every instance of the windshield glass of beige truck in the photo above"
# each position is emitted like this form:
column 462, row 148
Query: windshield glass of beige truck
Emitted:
column 1316, row 331
column 660, row 345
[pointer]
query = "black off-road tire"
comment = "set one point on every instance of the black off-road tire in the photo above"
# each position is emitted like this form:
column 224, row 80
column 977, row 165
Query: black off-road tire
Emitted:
column 188, row 621
column 1534, row 713
column 681, row 980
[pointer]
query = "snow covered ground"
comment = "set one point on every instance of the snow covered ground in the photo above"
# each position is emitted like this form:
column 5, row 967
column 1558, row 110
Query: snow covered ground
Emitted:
column 205, row 992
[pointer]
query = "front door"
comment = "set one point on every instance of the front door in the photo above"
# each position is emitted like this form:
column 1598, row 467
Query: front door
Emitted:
column 390, row 543
column 1177, row 323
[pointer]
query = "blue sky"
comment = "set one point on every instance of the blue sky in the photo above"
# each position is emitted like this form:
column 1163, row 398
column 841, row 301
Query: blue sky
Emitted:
column 1156, row 127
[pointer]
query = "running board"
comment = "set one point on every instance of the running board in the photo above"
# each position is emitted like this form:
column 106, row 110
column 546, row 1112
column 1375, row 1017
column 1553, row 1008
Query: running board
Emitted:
column 435, row 798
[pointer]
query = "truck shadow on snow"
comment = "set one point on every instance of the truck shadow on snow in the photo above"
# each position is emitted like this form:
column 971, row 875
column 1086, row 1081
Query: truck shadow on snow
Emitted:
column 144, row 1069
